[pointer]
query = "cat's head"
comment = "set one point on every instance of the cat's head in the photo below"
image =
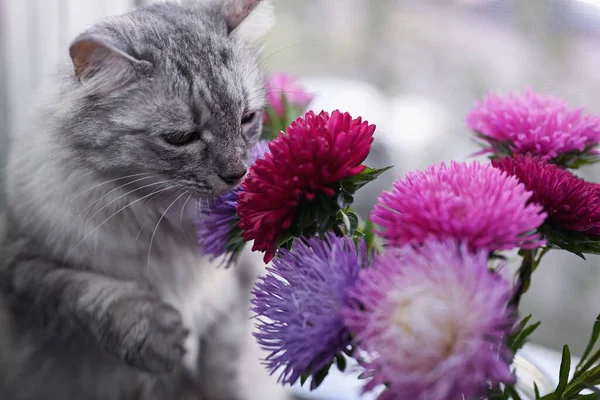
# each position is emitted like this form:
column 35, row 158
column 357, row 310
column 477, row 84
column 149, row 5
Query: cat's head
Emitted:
column 172, row 90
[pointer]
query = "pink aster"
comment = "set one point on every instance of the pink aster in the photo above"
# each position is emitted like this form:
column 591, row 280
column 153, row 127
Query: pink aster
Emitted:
column 570, row 202
column 471, row 203
column 316, row 152
column 532, row 123
column 280, row 86
column 430, row 323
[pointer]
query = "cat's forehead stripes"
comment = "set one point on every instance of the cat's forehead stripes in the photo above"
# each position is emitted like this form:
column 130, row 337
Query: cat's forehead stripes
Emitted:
column 194, row 55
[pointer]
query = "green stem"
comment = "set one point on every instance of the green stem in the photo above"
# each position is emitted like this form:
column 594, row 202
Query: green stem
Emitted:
column 525, row 271
column 528, row 265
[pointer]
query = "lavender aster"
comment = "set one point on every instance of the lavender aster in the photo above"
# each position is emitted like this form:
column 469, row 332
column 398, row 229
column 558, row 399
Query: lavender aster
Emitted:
column 298, row 305
column 430, row 323
column 217, row 227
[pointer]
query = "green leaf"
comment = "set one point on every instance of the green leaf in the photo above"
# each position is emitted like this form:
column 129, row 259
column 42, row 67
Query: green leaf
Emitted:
column 343, row 218
column 304, row 377
column 521, row 333
column 577, row 243
column 521, row 339
column 537, row 391
column 563, row 376
column 591, row 343
column 289, row 112
column 522, row 324
column 591, row 396
column 274, row 126
column 576, row 159
column 353, row 183
column 344, row 200
column 319, row 377
column 512, row 393
column 353, row 223
column 340, row 361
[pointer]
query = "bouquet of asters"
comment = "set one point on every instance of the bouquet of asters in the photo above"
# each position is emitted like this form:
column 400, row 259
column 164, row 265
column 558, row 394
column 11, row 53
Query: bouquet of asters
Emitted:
column 418, row 293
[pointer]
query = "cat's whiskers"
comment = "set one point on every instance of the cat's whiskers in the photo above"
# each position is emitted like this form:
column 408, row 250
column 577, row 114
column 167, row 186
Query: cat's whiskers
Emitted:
column 208, row 212
column 86, row 236
column 284, row 49
column 119, row 198
column 259, row 94
column 157, row 225
column 258, row 65
column 185, row 235
column 91, row 206
column 110, row 181
column 137, row 237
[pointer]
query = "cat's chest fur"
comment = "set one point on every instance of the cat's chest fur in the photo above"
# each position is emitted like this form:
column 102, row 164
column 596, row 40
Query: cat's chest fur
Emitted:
column 148, row 243
column 202, row 291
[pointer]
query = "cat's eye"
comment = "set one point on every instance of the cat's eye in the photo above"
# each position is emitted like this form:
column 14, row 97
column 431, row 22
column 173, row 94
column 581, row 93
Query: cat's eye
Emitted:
column 248, row 118
column 179, row 138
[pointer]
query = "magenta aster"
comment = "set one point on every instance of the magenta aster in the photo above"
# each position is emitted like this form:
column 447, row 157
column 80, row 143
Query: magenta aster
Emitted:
column 532, row 123
column 570, row 202
column 316, row 152
column 298, row 305
column 430, row 323
column 283, row 89
column 472, row 203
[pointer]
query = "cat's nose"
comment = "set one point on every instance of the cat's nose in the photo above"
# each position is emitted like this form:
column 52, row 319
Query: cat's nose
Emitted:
column 233, row 177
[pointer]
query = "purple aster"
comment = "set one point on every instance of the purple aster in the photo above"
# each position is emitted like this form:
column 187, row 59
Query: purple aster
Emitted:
column 531, row 123
column 430, row 323
column 471, row 203
column 217, row 227
column 298, row 305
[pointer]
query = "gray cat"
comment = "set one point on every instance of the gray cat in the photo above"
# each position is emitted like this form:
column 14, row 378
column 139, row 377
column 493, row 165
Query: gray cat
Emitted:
column 103, row 292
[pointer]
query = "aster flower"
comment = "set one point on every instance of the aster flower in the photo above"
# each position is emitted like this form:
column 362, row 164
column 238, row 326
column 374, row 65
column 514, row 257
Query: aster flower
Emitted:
column 571, row 203
column 286, row 101
column 536, row 124
column 298, row 305
column 472, row 203
column 282, row 89
column 295, row 190
column 430, row 323
column 217, row 227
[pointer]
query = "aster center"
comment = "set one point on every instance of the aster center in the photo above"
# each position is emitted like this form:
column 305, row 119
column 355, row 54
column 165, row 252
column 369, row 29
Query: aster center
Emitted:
column 424, row 317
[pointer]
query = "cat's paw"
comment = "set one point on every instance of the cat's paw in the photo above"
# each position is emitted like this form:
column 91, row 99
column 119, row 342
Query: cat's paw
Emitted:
column 153, row 335
column 163, row 347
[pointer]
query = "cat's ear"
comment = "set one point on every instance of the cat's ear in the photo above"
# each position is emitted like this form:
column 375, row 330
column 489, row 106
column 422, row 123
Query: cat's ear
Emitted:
column 92, row 56
column 249, row 20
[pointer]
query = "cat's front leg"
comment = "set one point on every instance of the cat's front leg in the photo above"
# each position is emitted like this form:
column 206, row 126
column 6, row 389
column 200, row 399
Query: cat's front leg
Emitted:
column 122, row 318
column 220, row 356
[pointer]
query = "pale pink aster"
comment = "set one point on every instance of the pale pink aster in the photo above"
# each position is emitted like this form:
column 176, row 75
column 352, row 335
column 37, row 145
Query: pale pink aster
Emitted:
column 280, row 85
column 531, row 123
column 472, row 203
column 430, row 323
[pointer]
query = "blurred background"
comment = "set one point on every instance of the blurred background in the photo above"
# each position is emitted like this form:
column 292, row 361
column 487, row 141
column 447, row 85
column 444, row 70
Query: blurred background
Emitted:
column 413, row 67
